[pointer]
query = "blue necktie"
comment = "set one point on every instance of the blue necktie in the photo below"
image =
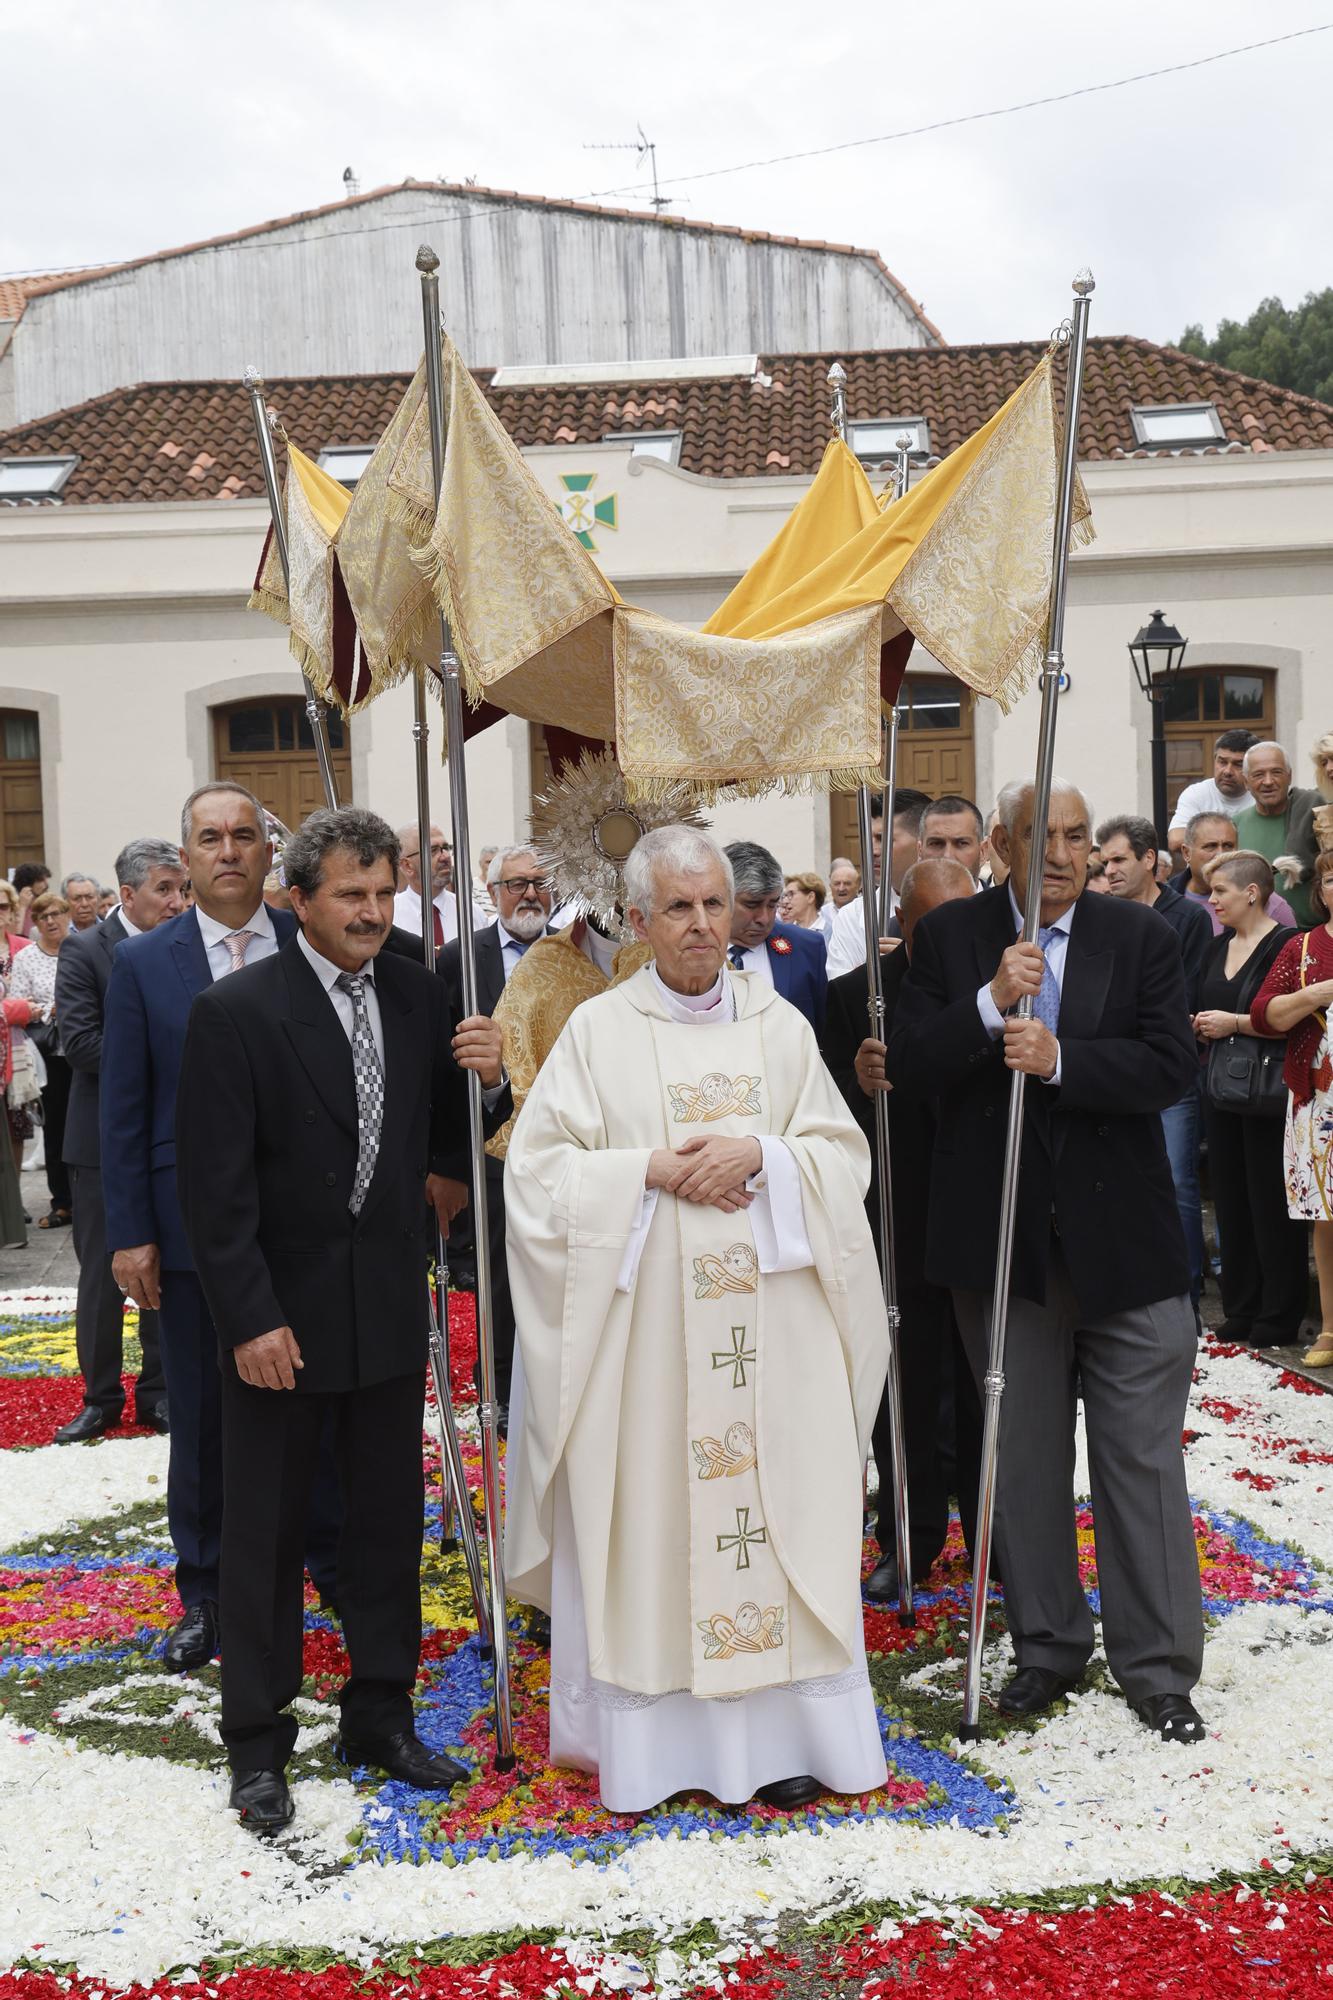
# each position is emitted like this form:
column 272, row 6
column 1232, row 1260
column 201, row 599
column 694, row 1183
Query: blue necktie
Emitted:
column 736, row 957
column 1046, row 1008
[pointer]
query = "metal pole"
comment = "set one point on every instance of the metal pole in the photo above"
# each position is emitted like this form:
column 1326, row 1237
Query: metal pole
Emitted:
column 901, row 477
column 428, row 265
column 837, row 376
column 316, row 713
column 1052, row 670
column 1160, row 815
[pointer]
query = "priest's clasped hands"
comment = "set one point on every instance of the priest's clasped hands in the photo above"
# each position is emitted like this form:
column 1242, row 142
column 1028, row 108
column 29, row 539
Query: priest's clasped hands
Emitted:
column 712, row 1171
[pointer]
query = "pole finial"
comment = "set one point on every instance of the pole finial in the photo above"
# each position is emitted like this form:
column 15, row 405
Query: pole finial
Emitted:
column 904, row 442
column 1084, row 282
column 254, row 380
column 837, row 375
column 427, row 261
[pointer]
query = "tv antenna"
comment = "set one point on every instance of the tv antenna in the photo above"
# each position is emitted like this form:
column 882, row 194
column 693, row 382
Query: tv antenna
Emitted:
column 643, row 149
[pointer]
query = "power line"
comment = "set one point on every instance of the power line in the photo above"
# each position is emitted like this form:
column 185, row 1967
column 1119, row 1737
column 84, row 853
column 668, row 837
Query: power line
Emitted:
column 257, row 241
column 977, row 117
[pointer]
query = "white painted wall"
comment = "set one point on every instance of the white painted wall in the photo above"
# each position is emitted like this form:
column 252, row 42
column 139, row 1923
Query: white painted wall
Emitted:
column 123, row 625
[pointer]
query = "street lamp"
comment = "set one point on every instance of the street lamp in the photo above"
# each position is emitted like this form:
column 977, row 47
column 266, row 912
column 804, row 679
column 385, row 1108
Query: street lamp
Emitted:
column 1157, row 653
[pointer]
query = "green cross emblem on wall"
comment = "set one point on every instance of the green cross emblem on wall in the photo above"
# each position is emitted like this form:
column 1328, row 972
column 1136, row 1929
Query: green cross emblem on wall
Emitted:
column 581, row 513
column 743, row 1538
column 736, row 1358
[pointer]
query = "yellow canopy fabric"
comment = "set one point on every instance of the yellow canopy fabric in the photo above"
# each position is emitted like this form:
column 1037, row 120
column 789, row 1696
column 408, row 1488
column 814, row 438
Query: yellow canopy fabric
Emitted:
column 314, row 508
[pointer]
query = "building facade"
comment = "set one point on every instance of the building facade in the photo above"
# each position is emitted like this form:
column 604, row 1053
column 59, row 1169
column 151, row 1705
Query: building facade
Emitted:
column 130, row 670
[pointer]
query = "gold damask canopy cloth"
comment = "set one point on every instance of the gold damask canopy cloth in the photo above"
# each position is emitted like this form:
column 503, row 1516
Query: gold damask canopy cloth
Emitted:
column 784, row 683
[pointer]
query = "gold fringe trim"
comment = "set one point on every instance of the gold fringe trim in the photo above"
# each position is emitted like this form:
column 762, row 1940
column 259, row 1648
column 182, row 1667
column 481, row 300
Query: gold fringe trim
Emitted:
column 705, row 790
column 270, row 603
column 417, row 523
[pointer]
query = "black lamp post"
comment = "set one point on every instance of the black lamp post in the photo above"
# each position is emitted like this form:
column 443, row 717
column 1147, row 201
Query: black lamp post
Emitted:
column 1157, row 653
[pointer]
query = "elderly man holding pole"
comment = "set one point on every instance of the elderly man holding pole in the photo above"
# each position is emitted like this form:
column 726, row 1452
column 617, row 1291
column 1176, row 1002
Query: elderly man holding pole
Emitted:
column 703, row 1345
column 1107, row 1049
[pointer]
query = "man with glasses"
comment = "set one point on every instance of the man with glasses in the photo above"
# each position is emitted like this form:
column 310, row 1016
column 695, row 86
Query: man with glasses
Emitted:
column 407, row 903
column 522, row 895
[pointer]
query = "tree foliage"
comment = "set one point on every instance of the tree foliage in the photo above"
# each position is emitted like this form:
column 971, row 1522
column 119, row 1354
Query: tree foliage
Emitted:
column 1292, row 347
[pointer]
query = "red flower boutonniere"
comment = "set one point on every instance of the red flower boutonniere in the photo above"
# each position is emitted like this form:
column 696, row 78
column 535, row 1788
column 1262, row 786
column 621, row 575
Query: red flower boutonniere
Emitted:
column 780, row 944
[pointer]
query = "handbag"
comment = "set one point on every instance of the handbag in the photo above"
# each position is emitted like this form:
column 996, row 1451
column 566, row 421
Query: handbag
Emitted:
column 45, row 1036
column 1245, row 1071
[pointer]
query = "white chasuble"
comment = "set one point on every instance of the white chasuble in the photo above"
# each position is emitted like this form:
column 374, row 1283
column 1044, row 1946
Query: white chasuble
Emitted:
column 684, row 1475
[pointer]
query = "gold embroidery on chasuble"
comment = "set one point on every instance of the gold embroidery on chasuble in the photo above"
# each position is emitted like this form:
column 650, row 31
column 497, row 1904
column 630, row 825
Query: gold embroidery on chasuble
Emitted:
column 738, row 1642
column 718, row 1096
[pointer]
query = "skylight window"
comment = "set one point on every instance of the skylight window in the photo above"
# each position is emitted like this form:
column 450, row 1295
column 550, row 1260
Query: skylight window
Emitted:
column 876, row 443
column 346, row 462
column 1175, row 426
column 649, row 444
column 34, row 478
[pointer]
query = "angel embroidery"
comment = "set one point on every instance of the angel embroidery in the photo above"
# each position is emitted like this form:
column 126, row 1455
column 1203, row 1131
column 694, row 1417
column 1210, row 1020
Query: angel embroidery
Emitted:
column 736, row 1270
column 716, row 1096
column 726, row 1459
column 750, row 1631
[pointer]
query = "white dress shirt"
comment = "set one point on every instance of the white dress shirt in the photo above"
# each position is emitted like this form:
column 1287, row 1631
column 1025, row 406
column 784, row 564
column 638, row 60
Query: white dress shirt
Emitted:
column 328, row 974
column 131, row 930
column 262, row 944
column 754, row 959
column 511, row 948
column 407, row 913
column 1057, row 950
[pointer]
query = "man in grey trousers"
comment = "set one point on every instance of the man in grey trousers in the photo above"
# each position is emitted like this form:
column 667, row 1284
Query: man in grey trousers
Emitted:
column 1099, row 1292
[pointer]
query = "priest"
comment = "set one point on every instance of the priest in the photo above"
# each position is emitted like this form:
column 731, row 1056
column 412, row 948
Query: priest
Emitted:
column 703, row 1345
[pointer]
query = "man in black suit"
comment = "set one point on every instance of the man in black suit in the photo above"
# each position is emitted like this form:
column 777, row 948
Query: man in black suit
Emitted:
column 1108, row 1047
column 226, row 852
column 927, row 1330
column 522, row 894
column 150, row 876
column 318, row 1089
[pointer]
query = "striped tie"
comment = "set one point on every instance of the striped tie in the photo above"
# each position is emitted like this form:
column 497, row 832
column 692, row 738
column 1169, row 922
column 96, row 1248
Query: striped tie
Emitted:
column 238, row 943
column 369, row 1087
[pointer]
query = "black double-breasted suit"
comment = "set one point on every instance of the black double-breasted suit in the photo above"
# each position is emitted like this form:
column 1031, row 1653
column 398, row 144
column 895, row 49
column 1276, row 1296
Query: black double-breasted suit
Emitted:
column 266, row 1154
column 1099, row 1297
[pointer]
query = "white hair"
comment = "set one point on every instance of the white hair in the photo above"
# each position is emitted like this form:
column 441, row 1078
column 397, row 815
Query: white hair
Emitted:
column 1256, row 749
column 1015, row 795
column 501, row 859
column 677, row 850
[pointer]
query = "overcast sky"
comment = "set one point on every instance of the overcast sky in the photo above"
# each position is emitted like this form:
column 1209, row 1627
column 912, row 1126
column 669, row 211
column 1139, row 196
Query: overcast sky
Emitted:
column 136, row 126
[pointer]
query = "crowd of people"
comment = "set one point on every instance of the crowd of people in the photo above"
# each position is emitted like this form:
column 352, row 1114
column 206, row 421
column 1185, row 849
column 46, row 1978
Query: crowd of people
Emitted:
column 250, row 1089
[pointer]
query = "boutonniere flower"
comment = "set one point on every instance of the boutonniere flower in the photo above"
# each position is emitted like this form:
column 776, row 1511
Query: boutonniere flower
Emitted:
column 781, row 944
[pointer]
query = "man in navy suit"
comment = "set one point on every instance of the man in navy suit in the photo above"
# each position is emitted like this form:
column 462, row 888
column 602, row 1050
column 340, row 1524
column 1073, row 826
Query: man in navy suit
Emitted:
column 226, row 852
column 786, row 956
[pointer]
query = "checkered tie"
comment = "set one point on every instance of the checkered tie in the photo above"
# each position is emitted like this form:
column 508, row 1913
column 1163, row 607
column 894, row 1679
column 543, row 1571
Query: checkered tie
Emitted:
column 369, row 1086
column 1046, row 1007
column 238, row 943
column 736, row 957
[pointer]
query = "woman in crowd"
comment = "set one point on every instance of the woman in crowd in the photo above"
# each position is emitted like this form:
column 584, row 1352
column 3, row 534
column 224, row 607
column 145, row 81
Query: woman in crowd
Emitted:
column 34, row 979
column 805, row 902
column 1265, row 1251
column 1294, row 1001
column 17, row 1087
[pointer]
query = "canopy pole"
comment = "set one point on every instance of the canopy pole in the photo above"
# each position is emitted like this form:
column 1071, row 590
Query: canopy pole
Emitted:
column 428, row 265
column 837, row 376
column 316, row 713
column 1051, row 674
column 901, row 477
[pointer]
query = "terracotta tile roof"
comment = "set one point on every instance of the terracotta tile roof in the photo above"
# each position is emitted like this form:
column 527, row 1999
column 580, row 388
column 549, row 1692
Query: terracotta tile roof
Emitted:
column 193, row 440
column 483, row 195
column 15, row 292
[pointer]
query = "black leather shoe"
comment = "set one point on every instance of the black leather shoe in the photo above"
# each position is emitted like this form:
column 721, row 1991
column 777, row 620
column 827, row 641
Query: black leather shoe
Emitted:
column 1173, row 1716
column 789, row 1793
column 262, row 1799
column 153, row 1417
column 881, row 1586
column 193, row 1642
column 89, row 1423
column 406, row 1758
column 539, row 1629
column 1232, row 1329
column 1034, row 1688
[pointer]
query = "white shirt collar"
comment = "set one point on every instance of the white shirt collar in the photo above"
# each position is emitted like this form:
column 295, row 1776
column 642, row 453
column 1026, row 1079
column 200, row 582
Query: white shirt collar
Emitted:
column 212, row 932
column 716, row 1005
column 131, row 930
column 1064, row 923
column 326, row 972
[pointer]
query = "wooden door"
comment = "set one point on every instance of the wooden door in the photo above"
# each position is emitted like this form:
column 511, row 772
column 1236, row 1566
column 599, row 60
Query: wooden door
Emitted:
column 936, row 751
column 21, row 830
column 268, row 747
column 1202, row 702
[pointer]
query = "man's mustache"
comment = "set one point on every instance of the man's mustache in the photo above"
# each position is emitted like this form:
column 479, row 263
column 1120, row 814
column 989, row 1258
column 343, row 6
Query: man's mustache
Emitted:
column 367, row 930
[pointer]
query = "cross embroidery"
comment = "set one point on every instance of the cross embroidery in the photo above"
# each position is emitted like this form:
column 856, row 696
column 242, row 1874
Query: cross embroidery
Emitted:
column 742, row 1538
column 736, row 1359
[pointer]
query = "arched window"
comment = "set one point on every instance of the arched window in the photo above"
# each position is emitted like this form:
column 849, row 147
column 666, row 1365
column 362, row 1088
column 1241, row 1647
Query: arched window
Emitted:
column 267, row 746
column 1203, row 701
